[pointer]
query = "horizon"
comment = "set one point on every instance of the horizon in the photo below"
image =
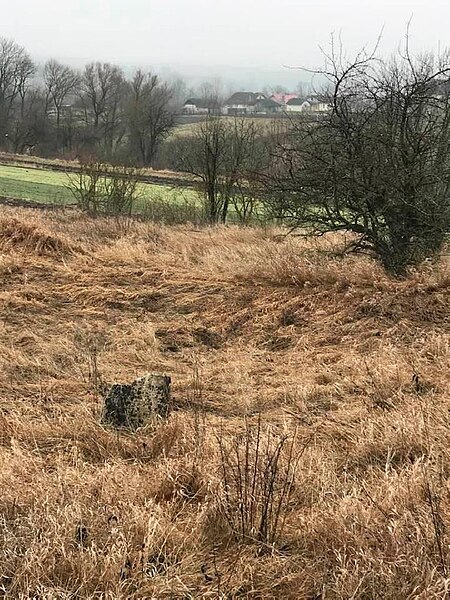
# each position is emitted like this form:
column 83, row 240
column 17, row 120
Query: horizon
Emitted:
column 257, row 45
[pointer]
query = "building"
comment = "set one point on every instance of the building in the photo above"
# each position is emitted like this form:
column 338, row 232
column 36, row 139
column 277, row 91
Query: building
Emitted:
column 201, row 106
column 295, row 105
column 244, row 103
column 283, row 98
column 268, row 106
column 317, row 104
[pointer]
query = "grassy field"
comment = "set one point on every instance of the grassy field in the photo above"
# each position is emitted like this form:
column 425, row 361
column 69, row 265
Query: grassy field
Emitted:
column 34, row 184
column 32, row 162
column 347, row 366
column 50, row 187
column 161, row 203
column 264, row 124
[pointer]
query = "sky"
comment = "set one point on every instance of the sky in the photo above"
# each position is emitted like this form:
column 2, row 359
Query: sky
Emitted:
column 218, row 37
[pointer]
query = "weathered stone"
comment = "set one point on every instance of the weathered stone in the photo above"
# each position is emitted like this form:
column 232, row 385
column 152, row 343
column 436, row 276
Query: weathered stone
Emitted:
column 136, row 404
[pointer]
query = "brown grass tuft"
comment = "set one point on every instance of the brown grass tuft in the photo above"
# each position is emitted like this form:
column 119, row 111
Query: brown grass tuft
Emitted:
column 21, row 236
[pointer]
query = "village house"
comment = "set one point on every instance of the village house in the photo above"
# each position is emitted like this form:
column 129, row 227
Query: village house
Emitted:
column 201, row 106
column 317, row 104
column 250, row 103
column 295, row 105
column 313, row 104
column 268, row 106
column 283, row 98
column 257, row 103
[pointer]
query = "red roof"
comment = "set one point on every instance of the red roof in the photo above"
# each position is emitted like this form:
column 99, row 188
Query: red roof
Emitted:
column 283, row 98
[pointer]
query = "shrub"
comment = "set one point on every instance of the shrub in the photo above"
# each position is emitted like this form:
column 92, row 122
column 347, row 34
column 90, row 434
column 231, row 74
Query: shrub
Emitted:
column 377, row 164
column 257, row 473
column 101, row 188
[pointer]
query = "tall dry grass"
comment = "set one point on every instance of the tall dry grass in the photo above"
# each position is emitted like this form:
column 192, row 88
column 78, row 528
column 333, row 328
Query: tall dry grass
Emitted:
column 346, row 365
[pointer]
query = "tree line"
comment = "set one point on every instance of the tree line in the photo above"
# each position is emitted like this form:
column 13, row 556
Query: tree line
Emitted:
column 57, row 110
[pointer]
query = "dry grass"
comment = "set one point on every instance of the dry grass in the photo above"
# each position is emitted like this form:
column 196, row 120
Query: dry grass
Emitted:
column 352, row 367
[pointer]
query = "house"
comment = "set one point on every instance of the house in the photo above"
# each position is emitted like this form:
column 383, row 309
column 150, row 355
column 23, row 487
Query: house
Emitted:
column 250, row 103
column 268, row 106
column 296, row 105
column 283, row 98
column 201, row 106
column 317, row 104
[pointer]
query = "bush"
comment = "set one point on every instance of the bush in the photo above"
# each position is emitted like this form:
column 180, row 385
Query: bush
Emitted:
column 101, row 188
column 172, row 211
column 257, row 472
column 377, row 164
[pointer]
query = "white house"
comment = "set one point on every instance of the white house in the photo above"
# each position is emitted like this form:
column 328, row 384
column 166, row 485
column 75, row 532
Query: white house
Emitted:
column 242, row 103
column 317, row 104
column 201, row 106
column 296, row 105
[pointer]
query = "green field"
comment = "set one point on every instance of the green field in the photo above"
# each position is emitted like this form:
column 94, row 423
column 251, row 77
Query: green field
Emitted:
column 162, row 203
column 50, row 187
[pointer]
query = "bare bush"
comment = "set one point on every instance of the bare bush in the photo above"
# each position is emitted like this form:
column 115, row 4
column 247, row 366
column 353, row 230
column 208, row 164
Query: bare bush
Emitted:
column 101, row 188
column 378, row 164
column 172, row 211
column 257, row 473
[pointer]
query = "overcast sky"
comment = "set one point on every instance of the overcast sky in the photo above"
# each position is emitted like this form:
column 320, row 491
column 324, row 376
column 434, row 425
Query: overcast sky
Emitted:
column 216, row 33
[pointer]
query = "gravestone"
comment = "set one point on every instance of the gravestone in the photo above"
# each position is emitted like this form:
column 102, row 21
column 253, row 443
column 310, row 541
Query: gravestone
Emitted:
column 134, row 405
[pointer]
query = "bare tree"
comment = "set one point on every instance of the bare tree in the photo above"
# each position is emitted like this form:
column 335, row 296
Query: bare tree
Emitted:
column 222, row 154
column 149, row 116
column 246, row 156
column 16, row 69
column 378, row 163
column 212, row 92
column 179, row 93
column 59, row 81
column 29, row 128
column 102, row 94
column 203, row 155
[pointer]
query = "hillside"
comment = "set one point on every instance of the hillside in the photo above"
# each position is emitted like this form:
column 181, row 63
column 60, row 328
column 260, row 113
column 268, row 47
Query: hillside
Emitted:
column 351, row 366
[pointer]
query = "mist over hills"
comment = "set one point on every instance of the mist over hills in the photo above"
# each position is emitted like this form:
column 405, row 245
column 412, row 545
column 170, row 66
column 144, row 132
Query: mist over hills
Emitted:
column 229, row 78
column 237, row 78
